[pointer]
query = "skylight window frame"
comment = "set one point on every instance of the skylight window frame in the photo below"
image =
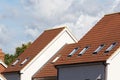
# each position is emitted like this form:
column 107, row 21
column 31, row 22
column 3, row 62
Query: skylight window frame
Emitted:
column 110, row 47
column 73, row 51
column 83, row 50
column 17, row 60
column 25, row 60
column 99, row 48
column 55, row 59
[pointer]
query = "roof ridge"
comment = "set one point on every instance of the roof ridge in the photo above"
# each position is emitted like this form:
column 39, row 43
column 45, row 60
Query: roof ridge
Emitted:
column 55, row 28
column 112, row 13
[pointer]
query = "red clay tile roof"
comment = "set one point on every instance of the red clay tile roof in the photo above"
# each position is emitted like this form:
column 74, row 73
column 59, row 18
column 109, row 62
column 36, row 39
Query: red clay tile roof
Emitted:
column 47, row 71
column 41, row 42
column 106, row 31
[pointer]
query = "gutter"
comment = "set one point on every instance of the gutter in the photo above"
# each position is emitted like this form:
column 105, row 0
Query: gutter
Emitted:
column 106, row 69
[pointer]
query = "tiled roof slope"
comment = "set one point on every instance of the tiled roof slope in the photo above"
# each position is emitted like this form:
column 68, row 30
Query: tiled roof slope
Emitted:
column 48, row 70
column 41, row 42
column 106, row 31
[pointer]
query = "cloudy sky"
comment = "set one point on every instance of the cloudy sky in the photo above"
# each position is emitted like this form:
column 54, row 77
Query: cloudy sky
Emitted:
column 22, row 21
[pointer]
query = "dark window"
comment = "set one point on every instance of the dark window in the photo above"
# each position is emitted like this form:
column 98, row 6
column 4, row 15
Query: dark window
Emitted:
column 98, row 49
column 83, row 51
column 87, row 79
column 73, row 51
column 110, row 47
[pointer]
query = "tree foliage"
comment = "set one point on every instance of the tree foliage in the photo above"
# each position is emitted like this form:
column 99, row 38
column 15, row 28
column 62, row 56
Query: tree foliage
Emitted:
column 9, row 58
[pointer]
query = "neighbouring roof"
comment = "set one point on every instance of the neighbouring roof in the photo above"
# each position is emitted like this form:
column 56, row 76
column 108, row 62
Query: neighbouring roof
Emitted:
column 40, row 43
column 47, row 71
column 105, row 35
column 2, row 63
column 2, row 55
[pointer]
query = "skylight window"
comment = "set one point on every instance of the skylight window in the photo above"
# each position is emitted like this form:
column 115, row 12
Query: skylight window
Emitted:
column 15, row 62
column 55, row 59
column 83, row 51
column 73, row 51
column 24, row 61
column 98, row 49
column 110, row 47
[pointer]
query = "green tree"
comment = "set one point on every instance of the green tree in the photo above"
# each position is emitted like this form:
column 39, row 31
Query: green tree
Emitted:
column 9, row 58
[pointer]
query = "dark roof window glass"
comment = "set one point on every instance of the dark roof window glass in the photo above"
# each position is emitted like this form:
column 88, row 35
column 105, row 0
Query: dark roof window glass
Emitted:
column 98, row 49
column 83, row 51
column 110, row 47
column 73, row 51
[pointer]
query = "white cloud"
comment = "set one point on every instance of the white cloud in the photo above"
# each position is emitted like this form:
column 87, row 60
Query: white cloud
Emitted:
column 4, row 35
column 82, row 25
column 80, row 15
column 116, row 6
column 32, row 30
column 5, row 38
column 52, row 12
column 8, row 12
column 47, row 8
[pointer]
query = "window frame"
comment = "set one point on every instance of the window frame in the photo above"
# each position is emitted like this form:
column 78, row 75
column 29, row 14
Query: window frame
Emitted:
column 83, row 50
column 73, row 51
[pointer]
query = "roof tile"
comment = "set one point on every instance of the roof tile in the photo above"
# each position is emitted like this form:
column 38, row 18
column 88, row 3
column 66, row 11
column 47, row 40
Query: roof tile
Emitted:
column 41, row 42
column 106, row 31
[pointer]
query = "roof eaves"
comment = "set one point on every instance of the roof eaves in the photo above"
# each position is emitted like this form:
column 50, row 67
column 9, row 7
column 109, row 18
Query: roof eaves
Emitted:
column 83, row 63
column 11, row 72
column 1, row 62
column 112, row 13
column 70, row 33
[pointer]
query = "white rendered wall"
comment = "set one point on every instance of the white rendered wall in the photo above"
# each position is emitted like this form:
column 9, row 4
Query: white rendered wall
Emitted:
column 113, row 71
column 45, row 55
column 2, row 77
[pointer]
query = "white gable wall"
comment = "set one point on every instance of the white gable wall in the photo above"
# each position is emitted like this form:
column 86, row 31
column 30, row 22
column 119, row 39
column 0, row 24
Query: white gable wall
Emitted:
column 38, row 62
column 113, row 67
column 2, row 77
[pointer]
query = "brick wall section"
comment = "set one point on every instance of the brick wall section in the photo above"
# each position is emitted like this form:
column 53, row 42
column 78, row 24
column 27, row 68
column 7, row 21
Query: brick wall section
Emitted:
column 2, row 55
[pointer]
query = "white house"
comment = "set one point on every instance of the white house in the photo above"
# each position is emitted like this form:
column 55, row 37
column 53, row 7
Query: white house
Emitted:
column 96, row 56
column 3, row 66
column 39, row 53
